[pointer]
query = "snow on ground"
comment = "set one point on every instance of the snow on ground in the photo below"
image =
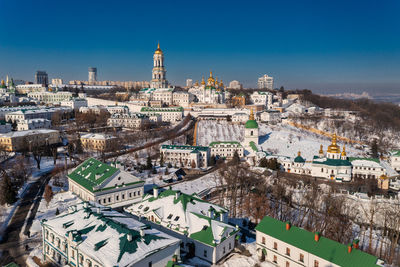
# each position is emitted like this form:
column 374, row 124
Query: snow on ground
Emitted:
column 210, row 131
column 285, row 140
column 238, row 260
column 60, row 201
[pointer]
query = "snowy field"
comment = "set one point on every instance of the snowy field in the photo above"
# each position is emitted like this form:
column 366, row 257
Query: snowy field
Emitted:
column 210, row 131
column 286, row 140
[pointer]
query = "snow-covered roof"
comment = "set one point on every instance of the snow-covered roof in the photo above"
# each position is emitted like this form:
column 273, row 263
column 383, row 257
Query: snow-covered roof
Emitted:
column 187, row 214
column 97, row 136
column 27, row 132
column 104, row 235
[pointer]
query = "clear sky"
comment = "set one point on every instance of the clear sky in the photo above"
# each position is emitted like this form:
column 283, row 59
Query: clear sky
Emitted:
column 322, row 45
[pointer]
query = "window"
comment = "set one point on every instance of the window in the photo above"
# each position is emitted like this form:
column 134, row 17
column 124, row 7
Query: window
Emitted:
column 275, row 259
column 169, row 217
column 263, row 240
column 123, row 196
column 316, row 263
column 176, row 218
column 205, row 253
column 230, row 246
column 104, row 200
column 109, row 199
column 73, row 254
column 150, row 264
column 301, row 258
column 288, row 251
column 287, row 264
column 275, row 245
column 117, row 198
column 223, row 250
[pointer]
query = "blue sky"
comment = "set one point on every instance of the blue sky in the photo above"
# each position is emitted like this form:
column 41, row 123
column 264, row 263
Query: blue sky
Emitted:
column 322, row 45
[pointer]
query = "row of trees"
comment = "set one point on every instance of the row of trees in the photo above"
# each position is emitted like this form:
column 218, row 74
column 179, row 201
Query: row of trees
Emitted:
column 250, row 194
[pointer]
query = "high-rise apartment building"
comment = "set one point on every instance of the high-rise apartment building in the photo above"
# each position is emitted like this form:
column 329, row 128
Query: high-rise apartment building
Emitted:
column 41, row 77
column 92, row 75
column 266, row 82
column 235, row 85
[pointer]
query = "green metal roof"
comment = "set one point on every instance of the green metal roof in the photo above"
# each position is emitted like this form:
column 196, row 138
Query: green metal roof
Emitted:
column 225, row 142
column 11, row 264
column 253, row 146
column 325, row 248
column 251, row 124
column 199, row 148
column 370, row 159
column 395, row 153
column 155, row 110
column 92, row 173
column 299, row 159
column 333, row 162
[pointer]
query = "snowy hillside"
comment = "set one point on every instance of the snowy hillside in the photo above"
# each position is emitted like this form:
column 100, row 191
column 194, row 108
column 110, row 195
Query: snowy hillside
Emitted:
column 210, row 131
column 286, row 140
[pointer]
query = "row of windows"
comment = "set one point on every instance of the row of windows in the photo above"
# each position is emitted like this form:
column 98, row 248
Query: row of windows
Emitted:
column 109, row 199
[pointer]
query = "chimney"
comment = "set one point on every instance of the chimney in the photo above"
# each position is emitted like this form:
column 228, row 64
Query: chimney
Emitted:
column 98, row 210
column 174, row 258
column 177, row 194
column 210, row 212
column 85, row 204
column 221, row 217
column 349, row 248
column 288, row 226
column 129, row 237
column 141, row 233
column 155, row 192
column 355, row 243
column 316, row 236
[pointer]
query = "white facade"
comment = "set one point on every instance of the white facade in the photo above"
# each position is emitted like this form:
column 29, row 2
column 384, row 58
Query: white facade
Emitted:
column 167, row 114
column 164, row 95
column 270, row 116
column 75, row 103
column 202, row 226
column 235, row 85
column 262, row 98
column 159, row 73
column 26, row 114
column 32, row 124
column 240, row 117
column 50, row 97
column 394, row 160
column 127, row 120
column 266, row 82
column 91, row 236
column 109, row 186
column 226, row 149
column 185, row 156
column 26, row 88
column 182, row 99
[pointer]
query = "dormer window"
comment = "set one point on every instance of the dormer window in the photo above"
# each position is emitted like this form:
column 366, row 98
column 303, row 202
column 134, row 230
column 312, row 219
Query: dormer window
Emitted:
column 176, row 218
column 169, row 217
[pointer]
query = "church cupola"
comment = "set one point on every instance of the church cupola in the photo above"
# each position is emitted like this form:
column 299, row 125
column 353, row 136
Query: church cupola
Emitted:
column 333, row 151
column 344, row 154
column 321, row 152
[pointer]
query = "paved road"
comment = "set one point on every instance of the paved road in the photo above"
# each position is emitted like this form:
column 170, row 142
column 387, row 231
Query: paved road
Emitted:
column 13, row 247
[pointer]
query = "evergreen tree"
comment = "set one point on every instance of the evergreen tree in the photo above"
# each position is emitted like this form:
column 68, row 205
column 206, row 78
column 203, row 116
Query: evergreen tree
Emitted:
column 169, row 165
column 374, row 149
column 263, row 163
column 7, row 192
column 213, row 160
column 162, row 160
column 236, row 159
column 48, row 194
column 149, row 165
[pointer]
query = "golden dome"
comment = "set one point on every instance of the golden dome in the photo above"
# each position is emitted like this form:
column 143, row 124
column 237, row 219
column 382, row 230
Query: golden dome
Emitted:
column 196, row 83
column 221, row 84
column 251, row 117
column 344, row 151
column 158, row 51
column 334, row 148
column 202, row 81
column 210, row 80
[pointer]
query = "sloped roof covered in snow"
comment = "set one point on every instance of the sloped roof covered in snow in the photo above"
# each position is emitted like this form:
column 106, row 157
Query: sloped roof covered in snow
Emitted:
column 187, row 214
column 104, row 235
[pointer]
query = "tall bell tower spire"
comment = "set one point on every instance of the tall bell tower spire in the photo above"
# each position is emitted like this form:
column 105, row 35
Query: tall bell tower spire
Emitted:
column 159, row 73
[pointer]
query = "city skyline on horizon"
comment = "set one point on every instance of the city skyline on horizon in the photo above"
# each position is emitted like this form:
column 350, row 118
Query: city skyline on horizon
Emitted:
column 320, row 52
